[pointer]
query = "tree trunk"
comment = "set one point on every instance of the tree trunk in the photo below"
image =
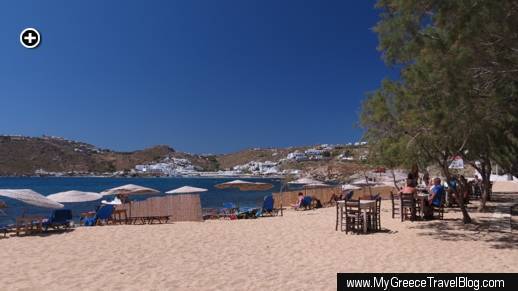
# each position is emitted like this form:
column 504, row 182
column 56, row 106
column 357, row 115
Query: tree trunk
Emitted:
column 460, row 200
column 459, row 196
column 394, row 179
column 368, row 183
column 485, row 172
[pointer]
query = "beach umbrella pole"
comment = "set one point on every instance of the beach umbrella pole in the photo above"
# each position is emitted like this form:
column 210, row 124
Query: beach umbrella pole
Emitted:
column 282, row 186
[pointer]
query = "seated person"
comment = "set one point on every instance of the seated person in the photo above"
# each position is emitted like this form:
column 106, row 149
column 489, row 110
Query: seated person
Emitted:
column 436, row 193
column 434, row 199
column 335, row 198
column 318, row 204
column 299, row 201
column 409, row 188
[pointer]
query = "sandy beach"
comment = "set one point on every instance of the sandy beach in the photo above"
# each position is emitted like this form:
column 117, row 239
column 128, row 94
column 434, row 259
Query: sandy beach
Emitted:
column 299, row 251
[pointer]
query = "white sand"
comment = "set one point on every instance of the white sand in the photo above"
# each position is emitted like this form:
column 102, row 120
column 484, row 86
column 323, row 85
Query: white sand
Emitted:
column 505, row 186
column 300, row 251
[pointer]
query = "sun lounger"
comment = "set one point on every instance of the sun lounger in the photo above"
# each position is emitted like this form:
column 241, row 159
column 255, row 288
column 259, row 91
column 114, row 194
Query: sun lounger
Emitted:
column 28, row 224
column 103, row 215
column 5, row 228
column 59, row 218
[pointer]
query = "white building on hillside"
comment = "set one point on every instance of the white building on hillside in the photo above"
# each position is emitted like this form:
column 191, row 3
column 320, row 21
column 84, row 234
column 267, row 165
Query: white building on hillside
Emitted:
column 297, row 156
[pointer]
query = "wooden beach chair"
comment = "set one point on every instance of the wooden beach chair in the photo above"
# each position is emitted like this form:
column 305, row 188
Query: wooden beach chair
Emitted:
column 396, row 207
column 375, row 215
column 439, row 210
column 407, row 204
column 352, row 218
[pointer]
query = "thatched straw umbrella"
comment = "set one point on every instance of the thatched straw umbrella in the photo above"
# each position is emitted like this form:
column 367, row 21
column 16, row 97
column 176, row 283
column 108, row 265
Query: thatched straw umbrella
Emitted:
column 186, row 190
column 129, row 189
column 74, row 196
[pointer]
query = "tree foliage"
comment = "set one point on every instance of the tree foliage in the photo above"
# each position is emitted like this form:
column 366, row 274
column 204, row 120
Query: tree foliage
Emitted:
column 457, row 93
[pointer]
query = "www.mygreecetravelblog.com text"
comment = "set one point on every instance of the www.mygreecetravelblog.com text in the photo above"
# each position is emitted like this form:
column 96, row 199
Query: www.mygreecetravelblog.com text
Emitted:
column 473, row 281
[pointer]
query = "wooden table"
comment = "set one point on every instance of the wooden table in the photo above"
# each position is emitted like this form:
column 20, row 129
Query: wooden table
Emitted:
column 365, row 207
column 421, row 198
column 29, row 224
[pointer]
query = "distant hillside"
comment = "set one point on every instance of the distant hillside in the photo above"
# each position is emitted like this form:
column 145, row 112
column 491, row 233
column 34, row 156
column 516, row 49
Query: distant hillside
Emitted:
column 228, row 161
column 21, row 155
column 330, row 168
column 26, row 155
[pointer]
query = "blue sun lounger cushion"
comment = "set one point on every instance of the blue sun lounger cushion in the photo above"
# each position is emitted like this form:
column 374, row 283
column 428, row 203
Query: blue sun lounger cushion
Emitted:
column 59, row 217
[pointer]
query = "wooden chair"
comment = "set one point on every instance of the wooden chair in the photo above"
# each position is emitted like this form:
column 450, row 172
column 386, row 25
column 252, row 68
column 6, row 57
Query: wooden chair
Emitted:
column 439, row 210
column 407, row 204
column 338, row 215
column 395, row 208
column 351, row 217
column 375, row 216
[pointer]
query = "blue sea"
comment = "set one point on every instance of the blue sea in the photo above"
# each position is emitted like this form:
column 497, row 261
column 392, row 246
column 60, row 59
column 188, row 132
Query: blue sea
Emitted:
column 213, row 198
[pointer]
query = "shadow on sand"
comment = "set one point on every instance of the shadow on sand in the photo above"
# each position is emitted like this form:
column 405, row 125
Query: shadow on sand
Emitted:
column 492, row 227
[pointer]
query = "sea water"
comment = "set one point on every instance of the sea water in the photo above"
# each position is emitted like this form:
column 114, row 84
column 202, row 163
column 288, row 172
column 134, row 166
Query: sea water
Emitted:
column 213, row 198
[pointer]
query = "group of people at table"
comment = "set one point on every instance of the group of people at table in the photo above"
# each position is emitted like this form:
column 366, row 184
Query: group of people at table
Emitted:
column 434, row 193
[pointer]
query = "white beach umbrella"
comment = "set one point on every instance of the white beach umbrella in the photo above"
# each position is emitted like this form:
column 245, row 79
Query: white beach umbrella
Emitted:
column 245, row 185
column 30, row 197
column 129, row 189
column 186, row 190
column 74, row 196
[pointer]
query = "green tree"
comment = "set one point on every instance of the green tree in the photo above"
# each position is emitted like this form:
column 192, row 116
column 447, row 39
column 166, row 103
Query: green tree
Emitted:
column 458, row 90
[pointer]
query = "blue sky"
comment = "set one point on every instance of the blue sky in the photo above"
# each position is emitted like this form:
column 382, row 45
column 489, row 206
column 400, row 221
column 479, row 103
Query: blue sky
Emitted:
column 200, row 76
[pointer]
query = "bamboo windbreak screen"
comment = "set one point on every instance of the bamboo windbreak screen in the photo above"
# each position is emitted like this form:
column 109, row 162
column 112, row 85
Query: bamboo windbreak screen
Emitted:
column 184, row 207
column 324, row 194
column 291, row 197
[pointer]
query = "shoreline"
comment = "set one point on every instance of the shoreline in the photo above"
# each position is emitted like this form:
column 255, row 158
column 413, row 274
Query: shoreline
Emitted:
column 154, row 177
